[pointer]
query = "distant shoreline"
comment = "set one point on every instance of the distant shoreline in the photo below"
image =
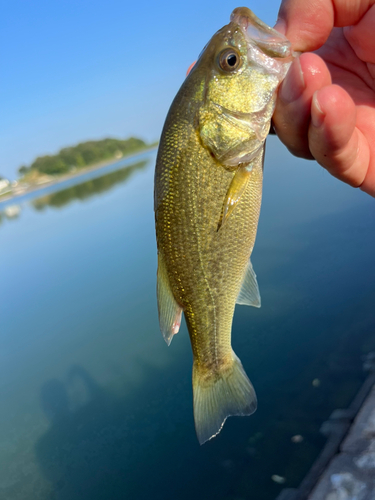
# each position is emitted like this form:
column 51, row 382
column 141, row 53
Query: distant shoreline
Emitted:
column 71, row 175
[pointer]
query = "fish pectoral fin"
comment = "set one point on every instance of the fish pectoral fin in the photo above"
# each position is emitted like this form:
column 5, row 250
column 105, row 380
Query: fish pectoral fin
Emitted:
column 235, row 191
column 249, row 294
column 169, row 311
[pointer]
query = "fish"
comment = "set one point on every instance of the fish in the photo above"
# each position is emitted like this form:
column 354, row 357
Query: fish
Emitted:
column 207, row 197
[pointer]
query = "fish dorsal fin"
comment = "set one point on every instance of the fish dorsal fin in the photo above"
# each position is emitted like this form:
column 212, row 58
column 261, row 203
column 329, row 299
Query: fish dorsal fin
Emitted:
column 249, row 294
column 169, row 311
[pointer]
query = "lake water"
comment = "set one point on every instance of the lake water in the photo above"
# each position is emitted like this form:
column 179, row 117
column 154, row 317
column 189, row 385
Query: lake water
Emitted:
column 94, row 405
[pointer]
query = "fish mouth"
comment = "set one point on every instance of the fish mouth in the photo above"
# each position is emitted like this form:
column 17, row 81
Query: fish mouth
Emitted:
column 266, row 46
column 273, row 43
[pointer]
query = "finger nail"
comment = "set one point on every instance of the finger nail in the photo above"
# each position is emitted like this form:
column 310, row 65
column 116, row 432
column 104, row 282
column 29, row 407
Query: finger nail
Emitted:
column 294, row 83
column 280, row 26
column 317, row 115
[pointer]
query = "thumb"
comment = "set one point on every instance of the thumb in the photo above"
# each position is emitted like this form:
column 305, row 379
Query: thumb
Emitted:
column 308, row 24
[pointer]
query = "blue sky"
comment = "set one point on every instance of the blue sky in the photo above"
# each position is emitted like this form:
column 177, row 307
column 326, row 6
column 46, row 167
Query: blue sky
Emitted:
column 77, row 70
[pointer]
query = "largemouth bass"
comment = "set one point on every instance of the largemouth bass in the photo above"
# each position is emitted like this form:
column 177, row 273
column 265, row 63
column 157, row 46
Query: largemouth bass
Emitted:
column 208, row 188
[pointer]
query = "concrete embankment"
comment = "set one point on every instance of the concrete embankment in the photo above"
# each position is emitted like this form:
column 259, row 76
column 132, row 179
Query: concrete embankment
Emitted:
column 345, row 469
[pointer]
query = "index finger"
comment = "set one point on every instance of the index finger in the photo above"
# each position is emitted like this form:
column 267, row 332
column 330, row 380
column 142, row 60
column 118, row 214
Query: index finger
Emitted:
column 308, row 24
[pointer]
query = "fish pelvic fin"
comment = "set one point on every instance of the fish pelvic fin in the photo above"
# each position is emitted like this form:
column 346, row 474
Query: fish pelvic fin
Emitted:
column 220, row 395
column 169, row 311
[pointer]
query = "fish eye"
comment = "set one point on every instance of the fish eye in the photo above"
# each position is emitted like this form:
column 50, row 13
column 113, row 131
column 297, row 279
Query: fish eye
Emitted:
column 229, row 60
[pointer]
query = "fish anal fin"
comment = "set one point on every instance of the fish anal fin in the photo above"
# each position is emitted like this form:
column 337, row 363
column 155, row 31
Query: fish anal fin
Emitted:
column 169, row 311
column 236, row 189
column 224, row 394
column 249, row 293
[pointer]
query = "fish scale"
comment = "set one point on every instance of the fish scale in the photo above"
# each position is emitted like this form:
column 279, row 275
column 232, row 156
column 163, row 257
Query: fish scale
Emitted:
column 208, row 188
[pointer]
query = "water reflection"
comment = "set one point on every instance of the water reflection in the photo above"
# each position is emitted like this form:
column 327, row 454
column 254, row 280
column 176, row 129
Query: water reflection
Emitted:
column 142, row 444
column 79, row 290
column 11, row 212
column 81, row 452
column 89, row 188
column 77, row 189
column 107, row 447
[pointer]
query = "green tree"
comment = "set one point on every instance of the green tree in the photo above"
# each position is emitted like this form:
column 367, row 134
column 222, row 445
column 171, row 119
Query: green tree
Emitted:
column 83, row 154
column 23, row 170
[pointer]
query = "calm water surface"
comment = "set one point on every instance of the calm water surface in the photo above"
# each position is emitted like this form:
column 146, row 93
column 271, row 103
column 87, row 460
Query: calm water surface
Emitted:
column 94, row 405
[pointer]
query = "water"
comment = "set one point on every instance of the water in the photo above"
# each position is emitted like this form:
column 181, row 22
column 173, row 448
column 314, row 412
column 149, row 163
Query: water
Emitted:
column 94, row 405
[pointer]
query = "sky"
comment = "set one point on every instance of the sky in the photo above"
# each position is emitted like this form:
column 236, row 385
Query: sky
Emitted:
column 74, row 70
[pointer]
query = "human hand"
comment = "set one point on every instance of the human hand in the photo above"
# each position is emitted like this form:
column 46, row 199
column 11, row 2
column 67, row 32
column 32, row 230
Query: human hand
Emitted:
column 326, row 105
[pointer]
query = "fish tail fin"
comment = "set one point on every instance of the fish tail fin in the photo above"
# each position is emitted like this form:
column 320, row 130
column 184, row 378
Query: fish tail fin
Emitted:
column 219, row 395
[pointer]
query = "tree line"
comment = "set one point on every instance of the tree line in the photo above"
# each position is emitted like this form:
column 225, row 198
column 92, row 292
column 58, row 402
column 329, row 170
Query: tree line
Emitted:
column 82, row 155
column 87, row 189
